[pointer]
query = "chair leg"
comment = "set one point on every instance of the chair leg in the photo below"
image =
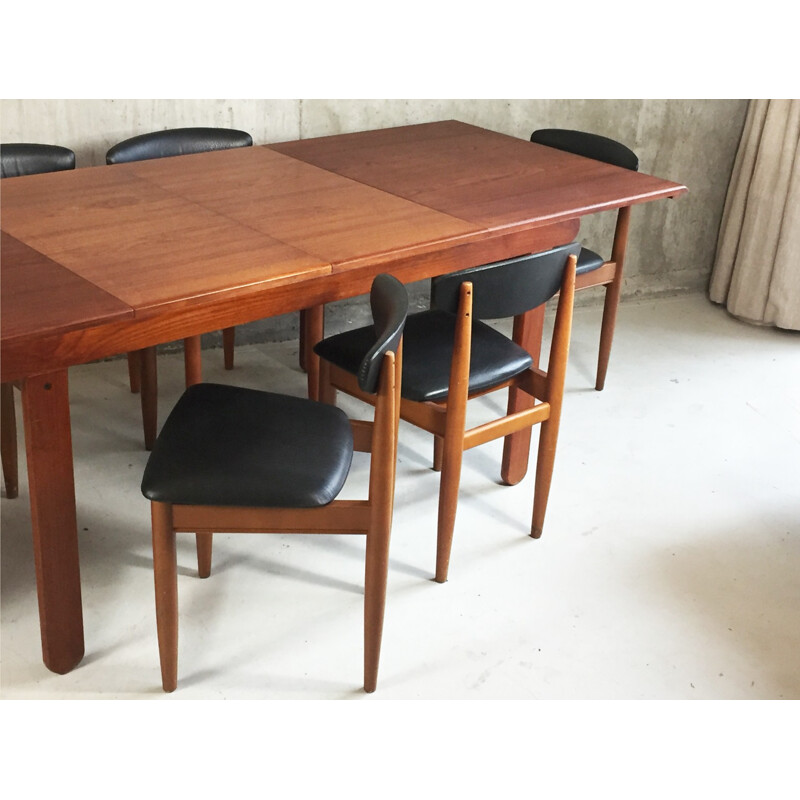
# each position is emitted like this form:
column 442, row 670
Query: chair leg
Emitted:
column 327, row 391
column 204, row 545
column 149, row 395
column 452, row 456
column 135, row 371
column 438, row 445
column 301, row 341
column 454, row 426
column 528, row 329
column 312, row 331
column 376, row 574
column 613, row 291
column 607, row 330
column 545, row 461
column 8, row 440
column 228, row 342
column 165, row 571
column 556, row 376
column 192, row 360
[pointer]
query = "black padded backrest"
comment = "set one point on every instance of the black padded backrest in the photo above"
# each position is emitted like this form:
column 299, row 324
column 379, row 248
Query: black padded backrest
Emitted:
column 389, row 302
column 506, row 288
column 176, row 142
column 21, row 158
column 591, row 145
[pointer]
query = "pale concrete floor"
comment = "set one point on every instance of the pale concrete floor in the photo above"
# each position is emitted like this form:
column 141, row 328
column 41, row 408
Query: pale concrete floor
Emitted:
column 669, row 566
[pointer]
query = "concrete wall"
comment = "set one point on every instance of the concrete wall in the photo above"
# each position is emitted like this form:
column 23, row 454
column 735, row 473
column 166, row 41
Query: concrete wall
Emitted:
column 672, row 243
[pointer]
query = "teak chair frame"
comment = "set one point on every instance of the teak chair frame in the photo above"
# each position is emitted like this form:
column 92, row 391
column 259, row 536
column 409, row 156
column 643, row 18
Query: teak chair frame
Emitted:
column 446, row 420
column 609, row 273
column 371, row 517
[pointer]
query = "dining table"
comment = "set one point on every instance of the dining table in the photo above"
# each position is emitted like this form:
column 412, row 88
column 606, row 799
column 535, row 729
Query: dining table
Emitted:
column 108, row 260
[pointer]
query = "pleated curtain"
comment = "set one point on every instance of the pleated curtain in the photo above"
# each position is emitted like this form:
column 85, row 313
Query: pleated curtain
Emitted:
column 756, row 272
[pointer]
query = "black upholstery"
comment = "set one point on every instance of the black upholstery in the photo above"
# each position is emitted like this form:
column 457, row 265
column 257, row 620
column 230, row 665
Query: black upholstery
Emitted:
column 502, row 289
column 231, row 446
column 389, row 303
column 590, row 145
column 428, row 351
column 22, row 158
column 505, row 288
column 176, row 142
column 588, row 261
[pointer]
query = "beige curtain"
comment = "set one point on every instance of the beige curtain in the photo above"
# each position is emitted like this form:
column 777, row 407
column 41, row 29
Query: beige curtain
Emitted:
column 757, row 268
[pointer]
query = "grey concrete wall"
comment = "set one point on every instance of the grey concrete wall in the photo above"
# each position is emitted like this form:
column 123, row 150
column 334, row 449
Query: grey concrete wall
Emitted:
column 672, row 242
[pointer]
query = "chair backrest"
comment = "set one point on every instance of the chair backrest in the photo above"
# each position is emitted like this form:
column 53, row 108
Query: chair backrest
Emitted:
column 591, row 145
column 506, row 288
column 389, row 302
column 176, row 142
column 22, row 158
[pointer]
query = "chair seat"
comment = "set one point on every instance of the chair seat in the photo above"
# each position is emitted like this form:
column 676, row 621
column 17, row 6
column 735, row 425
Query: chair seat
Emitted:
column 588, row 261
column 231, row 446
column 427, row 353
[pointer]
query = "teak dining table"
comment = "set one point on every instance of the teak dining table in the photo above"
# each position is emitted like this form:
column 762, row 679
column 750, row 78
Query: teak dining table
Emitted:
column 102, row 261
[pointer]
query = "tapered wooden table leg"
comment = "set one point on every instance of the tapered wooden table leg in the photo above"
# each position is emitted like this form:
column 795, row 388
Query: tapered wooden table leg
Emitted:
column 48, row 439
column 528, row 329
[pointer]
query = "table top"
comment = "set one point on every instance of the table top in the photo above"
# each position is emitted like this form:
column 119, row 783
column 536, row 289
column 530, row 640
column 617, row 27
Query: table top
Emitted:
column 487, row 178
column 101, row 260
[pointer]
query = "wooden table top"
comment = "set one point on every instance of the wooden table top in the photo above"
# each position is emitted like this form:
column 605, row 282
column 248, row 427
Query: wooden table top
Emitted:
column 69, row 302
column 339, row 220
column 144, row 245
column 480, row 176
column 155, row 250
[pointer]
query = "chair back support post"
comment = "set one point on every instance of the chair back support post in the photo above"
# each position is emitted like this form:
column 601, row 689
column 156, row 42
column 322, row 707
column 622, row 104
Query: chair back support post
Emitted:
column 384, row 438
column 562, row 331
column 381, row 506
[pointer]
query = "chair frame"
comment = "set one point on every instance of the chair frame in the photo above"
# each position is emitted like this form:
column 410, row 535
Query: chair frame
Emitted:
column 610, row 274
column 371, row 517
column 446, row 420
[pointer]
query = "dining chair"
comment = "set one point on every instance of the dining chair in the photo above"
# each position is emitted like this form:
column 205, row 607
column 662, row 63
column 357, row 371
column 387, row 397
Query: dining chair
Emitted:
column 18, row 159
column 236, row 459
column 593, row 269
column 451, row 356
column 142, row 363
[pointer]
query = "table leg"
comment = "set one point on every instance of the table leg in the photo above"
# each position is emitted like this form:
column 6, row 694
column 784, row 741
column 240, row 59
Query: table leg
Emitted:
column 528, row 329
column 48, row 439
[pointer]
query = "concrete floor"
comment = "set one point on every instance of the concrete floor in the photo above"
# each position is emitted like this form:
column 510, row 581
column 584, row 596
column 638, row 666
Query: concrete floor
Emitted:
column 668, row 569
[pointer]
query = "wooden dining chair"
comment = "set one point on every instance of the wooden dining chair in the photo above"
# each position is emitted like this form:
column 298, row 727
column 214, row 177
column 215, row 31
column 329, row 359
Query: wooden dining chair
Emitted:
column 451, row 356
column 18, row 159
column 593, row 269
column 142, row 363
column 235, row 459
